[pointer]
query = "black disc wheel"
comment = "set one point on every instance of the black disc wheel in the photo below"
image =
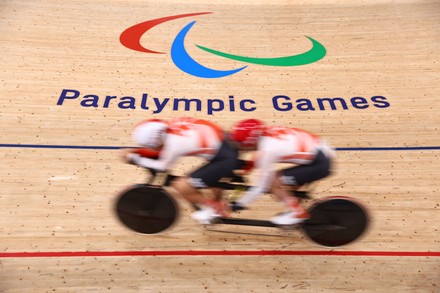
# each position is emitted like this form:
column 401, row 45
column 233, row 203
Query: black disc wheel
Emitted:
column 336, row 221
column 146, row 209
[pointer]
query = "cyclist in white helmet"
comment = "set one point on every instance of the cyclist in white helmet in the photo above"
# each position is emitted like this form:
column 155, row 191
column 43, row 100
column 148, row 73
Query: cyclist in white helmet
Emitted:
column 150, row 133
column 165, row 142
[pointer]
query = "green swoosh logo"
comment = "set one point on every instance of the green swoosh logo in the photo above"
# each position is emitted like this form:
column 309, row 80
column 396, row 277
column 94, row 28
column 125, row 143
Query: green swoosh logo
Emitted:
column 317, row 52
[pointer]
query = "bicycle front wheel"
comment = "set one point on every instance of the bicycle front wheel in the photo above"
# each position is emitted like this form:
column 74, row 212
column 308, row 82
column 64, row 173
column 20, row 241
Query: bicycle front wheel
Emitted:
column 146, row 209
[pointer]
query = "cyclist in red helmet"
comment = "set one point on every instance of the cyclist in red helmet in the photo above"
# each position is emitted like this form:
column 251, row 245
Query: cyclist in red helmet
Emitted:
column 165, row 142
column 247, row 132
column 275, row 144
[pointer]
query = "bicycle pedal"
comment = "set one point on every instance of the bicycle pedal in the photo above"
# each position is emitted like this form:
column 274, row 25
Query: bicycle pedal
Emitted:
column 235, row 207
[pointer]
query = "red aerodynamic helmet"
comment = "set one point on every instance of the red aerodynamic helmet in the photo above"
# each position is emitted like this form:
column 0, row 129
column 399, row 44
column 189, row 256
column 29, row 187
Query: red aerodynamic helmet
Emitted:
column 246, row 132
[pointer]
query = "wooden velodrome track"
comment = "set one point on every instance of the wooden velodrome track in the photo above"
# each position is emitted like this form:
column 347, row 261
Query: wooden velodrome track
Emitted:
column 61, row 170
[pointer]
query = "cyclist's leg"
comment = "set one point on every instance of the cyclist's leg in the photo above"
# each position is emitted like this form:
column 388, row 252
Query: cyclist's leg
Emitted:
column 189, row 187
column 188, row 191
column 292, row 179
column 295, row 177
column 284, row 194
column 207, row 176
column 217, row 192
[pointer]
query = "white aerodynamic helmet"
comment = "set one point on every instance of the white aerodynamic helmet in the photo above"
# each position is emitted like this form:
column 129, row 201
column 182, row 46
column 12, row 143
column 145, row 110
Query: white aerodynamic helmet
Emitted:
column 150, row 133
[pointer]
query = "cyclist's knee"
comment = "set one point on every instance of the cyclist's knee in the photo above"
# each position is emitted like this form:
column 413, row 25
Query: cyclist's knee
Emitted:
column 182, row 186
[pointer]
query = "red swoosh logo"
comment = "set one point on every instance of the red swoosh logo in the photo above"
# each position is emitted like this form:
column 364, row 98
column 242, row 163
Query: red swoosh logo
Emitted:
column 131, row 37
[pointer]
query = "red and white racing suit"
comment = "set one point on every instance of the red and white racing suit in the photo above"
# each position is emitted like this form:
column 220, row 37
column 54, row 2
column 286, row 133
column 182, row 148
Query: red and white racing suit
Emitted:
column 194, row 137
column 288, row 145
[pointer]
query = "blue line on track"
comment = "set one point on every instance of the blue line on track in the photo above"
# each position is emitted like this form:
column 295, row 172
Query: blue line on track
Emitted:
column 42, row 146
column 408, row 148
column 39, row 146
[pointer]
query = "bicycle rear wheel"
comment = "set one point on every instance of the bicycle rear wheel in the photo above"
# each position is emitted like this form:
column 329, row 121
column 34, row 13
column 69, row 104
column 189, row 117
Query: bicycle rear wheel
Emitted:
column 336, row 221
column 146, row 209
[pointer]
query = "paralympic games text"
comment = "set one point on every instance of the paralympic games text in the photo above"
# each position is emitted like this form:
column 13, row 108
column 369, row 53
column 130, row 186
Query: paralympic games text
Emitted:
column 212, row 105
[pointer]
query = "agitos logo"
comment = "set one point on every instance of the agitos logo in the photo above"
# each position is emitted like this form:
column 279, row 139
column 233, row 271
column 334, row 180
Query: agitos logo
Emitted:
column 130, row 38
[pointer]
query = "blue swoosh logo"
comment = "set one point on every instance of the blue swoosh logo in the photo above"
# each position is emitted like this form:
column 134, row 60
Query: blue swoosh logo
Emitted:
column 186, row 63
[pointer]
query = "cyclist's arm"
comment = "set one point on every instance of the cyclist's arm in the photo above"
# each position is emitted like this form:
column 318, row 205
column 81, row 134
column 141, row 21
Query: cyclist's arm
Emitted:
column 147, row 153
column 265, row 175
column 174, row 147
